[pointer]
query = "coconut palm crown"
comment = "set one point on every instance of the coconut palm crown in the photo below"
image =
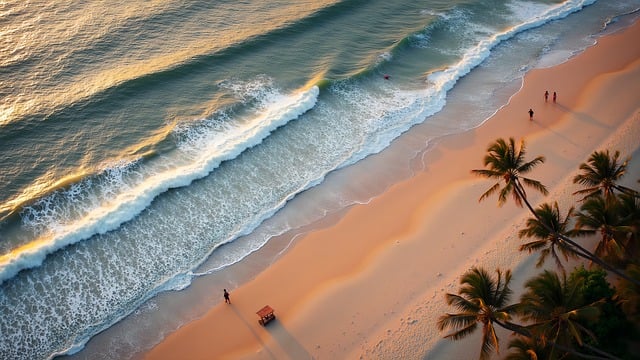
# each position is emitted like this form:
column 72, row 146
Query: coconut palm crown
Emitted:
column 600, row 175
column 546, row 228
column 598, row 215
column 505, row 162
column 557, row 313
column 481, row 300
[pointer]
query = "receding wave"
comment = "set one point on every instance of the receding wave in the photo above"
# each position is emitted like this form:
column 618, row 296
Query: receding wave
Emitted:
column 447, row 78
column 102, row 203
column 433, row 98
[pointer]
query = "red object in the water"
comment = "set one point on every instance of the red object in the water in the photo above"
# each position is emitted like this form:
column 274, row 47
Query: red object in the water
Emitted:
column 386, row 77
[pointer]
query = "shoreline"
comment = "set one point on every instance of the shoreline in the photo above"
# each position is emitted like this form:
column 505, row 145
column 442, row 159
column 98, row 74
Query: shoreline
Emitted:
column 370, row 283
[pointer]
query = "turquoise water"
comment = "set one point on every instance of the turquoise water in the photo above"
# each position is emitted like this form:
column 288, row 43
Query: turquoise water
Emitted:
column 140, row 137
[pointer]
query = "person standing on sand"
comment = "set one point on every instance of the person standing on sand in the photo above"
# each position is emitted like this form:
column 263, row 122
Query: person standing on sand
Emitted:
column 555, row 96
column 546, row 95
column 530, row 114
column 226, row 297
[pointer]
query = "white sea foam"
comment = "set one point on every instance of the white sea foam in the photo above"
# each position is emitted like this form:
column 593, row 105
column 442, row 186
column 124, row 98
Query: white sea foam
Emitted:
column 399, row 110
column 130, row 200
column 533, row 16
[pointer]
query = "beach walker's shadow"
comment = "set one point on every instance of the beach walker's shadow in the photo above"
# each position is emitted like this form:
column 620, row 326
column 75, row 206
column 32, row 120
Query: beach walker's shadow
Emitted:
column 584, row 117
column 549, row 128
column 282, row 336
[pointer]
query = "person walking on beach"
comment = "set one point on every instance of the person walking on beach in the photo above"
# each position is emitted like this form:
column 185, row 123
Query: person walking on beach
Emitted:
column 555, row 96
column 226, row 297
column 530, row 114
column 546, row 95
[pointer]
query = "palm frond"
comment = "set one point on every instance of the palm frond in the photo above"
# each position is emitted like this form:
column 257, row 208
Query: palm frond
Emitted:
column 589, row 192
column 462, row 332
column 490, row 192
column 456, row 321
column 503, row 291
column 488, row 173
column 507, row 162
column 461, row 303
column 490, row 342
column 535, row 185
column 533, row 246
column 528, row 166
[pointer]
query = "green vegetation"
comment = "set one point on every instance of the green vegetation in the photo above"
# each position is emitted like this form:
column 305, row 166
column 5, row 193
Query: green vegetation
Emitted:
column 579, row 316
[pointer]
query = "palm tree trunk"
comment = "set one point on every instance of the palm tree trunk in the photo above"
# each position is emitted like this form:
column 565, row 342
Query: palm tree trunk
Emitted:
column 600, row 352
column 582, row 252
column 626, row 190
column 576, row 248
column 518, row 329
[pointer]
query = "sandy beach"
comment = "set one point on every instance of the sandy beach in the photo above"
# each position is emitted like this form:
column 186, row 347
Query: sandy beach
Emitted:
column 371, row 284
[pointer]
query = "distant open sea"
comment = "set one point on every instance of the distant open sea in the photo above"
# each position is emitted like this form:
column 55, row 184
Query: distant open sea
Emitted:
column 148, row 144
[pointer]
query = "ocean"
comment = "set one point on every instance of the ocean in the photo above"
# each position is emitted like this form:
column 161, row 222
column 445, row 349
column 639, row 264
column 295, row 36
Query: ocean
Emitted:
column 155, row 151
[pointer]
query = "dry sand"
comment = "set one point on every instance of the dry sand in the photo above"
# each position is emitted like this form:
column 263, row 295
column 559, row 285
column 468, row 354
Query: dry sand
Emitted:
column 372, row 285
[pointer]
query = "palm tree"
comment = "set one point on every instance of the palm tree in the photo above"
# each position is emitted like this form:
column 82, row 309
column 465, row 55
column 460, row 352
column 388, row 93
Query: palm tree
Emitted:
column 598, row 215
column 525, row 348
column 507, row 163
column 481, row 300
column 556, row 311
column 628, row 294
column 600, row 175
column 629, row 207
column 545, row 228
